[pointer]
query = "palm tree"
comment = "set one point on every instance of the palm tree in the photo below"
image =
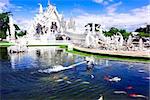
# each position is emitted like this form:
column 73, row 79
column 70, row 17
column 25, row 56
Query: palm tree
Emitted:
column 4, row 24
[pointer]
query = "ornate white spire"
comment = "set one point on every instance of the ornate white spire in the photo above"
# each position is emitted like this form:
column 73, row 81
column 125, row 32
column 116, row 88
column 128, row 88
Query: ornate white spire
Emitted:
column 48, row 2
column 40, row 9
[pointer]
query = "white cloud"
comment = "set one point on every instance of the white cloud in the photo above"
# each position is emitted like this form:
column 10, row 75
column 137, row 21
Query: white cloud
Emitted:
column 104, row 2
column 23, row 23
column 98, row 1
column 112, row 8
column 131, row 20
column 4, row 4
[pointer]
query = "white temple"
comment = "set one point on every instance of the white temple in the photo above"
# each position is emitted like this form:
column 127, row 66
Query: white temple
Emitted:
column 48, row 23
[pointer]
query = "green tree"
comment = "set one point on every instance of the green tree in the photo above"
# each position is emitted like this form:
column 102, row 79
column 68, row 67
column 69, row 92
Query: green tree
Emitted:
column 111, row 32
column 16, row 27
column 21, row 33
column 114, row 30
column 4, row 24
column 143, row 34
column 124, row 33
column 107, row 33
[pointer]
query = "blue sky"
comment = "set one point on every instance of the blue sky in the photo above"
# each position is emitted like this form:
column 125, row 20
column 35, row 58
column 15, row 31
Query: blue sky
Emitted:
column 26, row 9
column 29, row 7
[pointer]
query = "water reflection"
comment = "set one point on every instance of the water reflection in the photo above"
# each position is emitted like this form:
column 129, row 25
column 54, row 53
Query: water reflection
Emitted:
column 43, row 57
column 3, row 53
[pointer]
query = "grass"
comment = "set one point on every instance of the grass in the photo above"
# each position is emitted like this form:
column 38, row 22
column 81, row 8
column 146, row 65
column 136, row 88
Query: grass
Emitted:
column 6, row 44
column 63, row 46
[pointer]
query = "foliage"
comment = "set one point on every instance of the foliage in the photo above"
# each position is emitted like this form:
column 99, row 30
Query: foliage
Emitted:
column 145, row 29
column 16, row 27
column 114, row 30
column 124, row 33
column 2, row 34
column 4, row 24
column 21, row 33
column 142, row 34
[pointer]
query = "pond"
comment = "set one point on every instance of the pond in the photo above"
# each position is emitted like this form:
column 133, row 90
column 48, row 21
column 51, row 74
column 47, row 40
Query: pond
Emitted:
column 46, row 73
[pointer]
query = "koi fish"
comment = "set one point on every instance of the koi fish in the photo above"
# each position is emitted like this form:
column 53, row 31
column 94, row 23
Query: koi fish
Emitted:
column 86, row 82
column 141, row 71
column 59, row 80
column 120, row 92
column 92, row 76
column 148, row 78
column 68, row 82
column 129, row 87
column 137, row 95
column 106, row 78
column 114, row 79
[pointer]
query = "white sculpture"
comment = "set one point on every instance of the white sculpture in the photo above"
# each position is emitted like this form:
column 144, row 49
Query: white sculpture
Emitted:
column 8, row 36
column 140, row 44
column 12, row 29
column 118, row 40
column 129, row 41
column 90, row 40
column 98, row 39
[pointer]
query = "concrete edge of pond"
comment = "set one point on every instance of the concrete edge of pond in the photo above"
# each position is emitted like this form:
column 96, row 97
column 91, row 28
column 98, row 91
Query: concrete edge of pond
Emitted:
column 108, row 56
column 131, row 54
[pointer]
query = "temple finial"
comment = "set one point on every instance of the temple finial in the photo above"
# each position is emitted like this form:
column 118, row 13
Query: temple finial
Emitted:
column 48, row 2
column 40, row 9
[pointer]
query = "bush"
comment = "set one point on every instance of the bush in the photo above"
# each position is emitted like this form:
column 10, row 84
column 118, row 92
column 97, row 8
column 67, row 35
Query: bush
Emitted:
column 142, row 34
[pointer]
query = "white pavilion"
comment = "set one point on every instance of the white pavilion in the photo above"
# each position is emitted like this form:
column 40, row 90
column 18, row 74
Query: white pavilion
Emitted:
column 47, row 23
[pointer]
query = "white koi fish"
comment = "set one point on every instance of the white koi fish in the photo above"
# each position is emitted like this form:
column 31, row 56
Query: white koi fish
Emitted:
column 137, row 95
column 115, row 79
column 120, row 92
column 86, row 82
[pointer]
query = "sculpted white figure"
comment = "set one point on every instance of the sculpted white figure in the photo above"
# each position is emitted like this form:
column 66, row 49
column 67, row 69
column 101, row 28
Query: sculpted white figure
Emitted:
column 140, row 44
column 12, row 28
